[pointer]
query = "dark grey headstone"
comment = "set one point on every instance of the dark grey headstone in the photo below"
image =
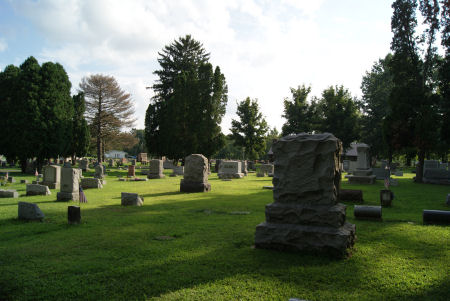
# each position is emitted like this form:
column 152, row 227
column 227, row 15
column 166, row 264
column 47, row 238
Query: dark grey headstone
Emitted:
column 74, row 214
column 29, row 211
column 367, row 212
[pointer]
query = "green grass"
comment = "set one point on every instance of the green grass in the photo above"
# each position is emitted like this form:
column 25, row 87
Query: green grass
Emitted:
column 113, row 254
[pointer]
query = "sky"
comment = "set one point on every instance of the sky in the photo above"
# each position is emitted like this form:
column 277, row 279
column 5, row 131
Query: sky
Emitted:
column 262, row 47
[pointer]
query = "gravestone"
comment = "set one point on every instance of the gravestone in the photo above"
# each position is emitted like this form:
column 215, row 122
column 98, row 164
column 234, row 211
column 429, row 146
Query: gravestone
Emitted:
column 29, row 211
column 195, row 174
column 167, row 164
column 110, row 163
column 230, row 169
column 244, row 167
column 363, row 173
column 9, row 193
column 36, row 189
column 306, row 215
column 142, row 157
column 11, row 179
column 267, row 169
column 70, row 184
column 30, row 167
column 346, row 165
column 99, row 172
column 133, row 162
column 91, row 183
column 84, row 165
column 217, row 166
column 156, row 169
column 367, row 212
column 52, row 176
column 73, row 214
column 251, row 165
column 443, row 165
column 24, row 181
column 381, row 173
column 131, row 199
column 131, row 171
column 178, row 170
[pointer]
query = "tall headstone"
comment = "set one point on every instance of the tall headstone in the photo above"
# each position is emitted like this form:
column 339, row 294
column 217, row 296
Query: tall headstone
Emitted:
column 142, row 157
column 195, row 174
column 70, row 184
column 230, row 169
column 131, row 171
column 156, row 169
column 217, row 166
column 99, row 172
column 244, row 167
column 306, row 215
column 52, row 176
column 84, row 164
column 363, row 173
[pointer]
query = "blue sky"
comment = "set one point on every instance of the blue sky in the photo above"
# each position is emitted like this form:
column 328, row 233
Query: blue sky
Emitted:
column 262, row 47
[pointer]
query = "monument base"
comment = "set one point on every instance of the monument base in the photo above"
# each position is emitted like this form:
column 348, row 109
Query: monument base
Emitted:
column 155, row 176
column 194, row 186
column 362, row 179
column 67, row 196
column 309, row 239
column 230, row 175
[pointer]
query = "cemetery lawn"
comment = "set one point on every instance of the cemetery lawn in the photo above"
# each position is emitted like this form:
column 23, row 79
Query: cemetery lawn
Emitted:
column 114, row 254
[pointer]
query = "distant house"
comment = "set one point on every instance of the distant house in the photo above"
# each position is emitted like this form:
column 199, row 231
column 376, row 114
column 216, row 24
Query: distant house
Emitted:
column 115, row 154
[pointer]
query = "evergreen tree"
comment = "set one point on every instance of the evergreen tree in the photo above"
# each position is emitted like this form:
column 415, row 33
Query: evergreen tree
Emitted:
column 250, row 130
column 108, row 108
column 80, row 129
column 185, row 114
column 338, row 114
column 444, row 79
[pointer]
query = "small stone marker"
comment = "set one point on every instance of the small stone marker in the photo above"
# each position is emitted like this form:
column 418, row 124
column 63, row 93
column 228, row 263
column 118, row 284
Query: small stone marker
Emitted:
column 10, row 193
column 29, row 211
column 11, row 180
column 367, row 212
column 351, row 195
column 74, row 214
column 386, row 197
column 36, row 189
column 436, row 217
column 24, row 181
column 99, row 172
column 131, row 199
column 91, row 183
column 195, row 174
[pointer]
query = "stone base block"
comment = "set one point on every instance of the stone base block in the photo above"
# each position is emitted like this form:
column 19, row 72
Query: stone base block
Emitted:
column 194, row 186
column 363, row 172
column 367, row 212
column 309, row 239
column 131, row 199
column 91, row 183
column 155, row 176
column 36, row 189
column 327, row 216
column 51, row 185
column 10, row 193
column 29, row 211
column 230, row 175
column 67, row 196
column 362, row 179
column 350, row 195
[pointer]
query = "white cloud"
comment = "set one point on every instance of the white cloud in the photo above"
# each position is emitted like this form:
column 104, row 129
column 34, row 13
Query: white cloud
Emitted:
column 262, row 47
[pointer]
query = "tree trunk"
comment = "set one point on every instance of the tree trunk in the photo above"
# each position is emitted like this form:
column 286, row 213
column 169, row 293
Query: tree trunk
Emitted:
column 419, row 171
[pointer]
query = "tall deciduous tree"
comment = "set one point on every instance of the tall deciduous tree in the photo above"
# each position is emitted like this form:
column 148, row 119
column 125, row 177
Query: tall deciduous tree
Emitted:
column 338, row 114
column 444, row 78
column 301, row 116
column 108, row 108
column 189, row 103
column 250, row 130
column 376, row 87
column 80, row 129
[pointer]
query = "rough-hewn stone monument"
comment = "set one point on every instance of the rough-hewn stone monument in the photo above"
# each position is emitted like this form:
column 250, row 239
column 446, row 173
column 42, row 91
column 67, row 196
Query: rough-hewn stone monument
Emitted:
column 195, row 174
column 306, row 215
column 52, row 176
column 70, row 184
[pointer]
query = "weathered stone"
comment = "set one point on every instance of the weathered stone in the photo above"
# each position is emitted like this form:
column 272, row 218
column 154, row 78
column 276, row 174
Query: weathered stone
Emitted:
column 10, row 193
column 131, row 171
column 217, row 166
column 142, row 157
column 386, row 197
column 24, row 181
column 84, row 165
column 52, row 176
column 99, row 171
column 230, row 169
column 156, row 169
column 346, row 165
column 367, row 212
column 36, row 189
column 74, row 214
column 436, row 217
column 381, row 173
column 363, row 173
column 70, row 184
column 244, row 167
column 167, row 164
column 91, row 183
column 310, row 239
column 436, row 176
column 305, row 215
column 350, row 195
column 133, row 162
column 29, row 211
column 195, row 174
column 312, row 215
column 131, row 199
column 267, row 169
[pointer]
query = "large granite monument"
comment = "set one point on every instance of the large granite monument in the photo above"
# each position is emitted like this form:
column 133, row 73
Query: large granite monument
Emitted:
column 52, row 176
column 156, row 169
column 306, row 215
column 70, row 184
column 195, row 174
column 363, row 173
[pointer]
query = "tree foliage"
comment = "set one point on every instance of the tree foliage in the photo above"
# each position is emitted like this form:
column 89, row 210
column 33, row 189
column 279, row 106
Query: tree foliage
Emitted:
column 190, row 98
column 80, row 129
column 250, row 130
column 108, row 108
